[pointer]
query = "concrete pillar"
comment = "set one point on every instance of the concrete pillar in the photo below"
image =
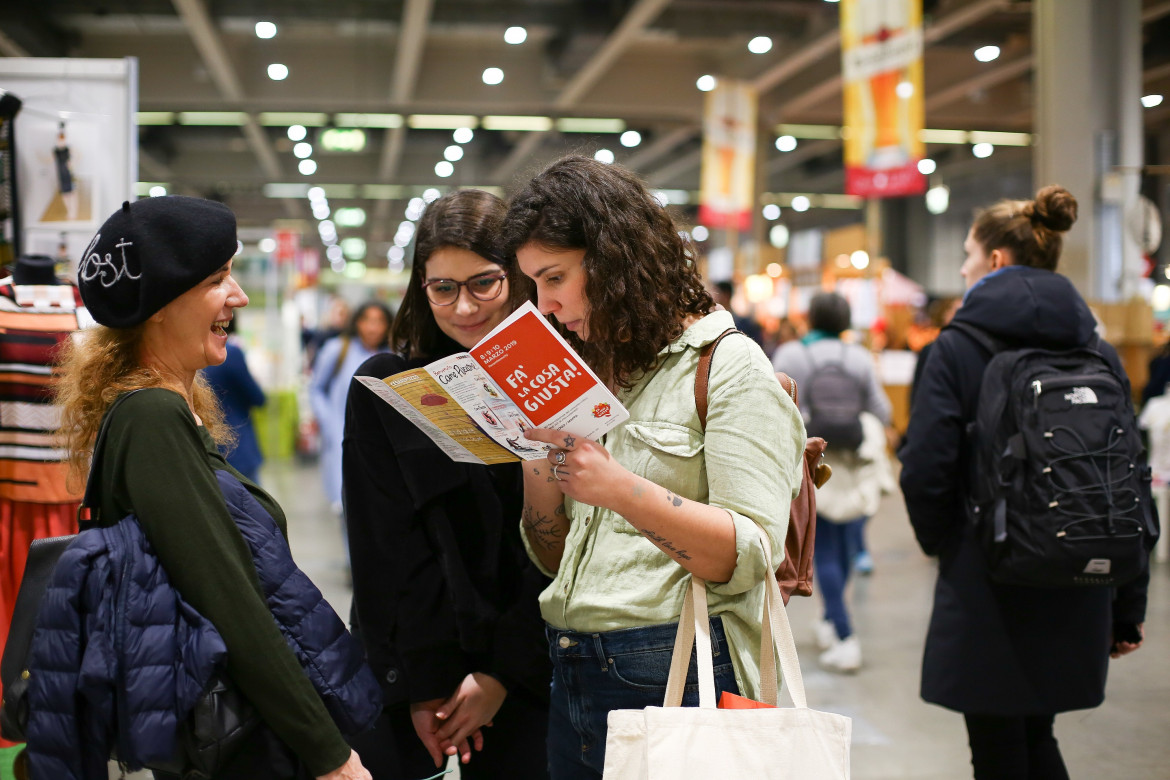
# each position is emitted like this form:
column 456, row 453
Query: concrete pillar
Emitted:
column 1089, row 133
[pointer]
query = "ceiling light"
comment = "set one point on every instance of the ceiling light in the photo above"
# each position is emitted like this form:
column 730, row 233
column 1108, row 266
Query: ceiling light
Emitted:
column 987, row 53
column 786, row 143
column 265, row 30
column 761, row 44
column 705, row 83
column 334, row 253
column 700, row 233
column 267, row 245
column 430, row 195
column 603, row 155
column 859, row 259
column 515, row 35
column 454, row 152
column 354, row 248
column 390, row 121
column 440, row 121
column 326, row 226
column 927, row 166
column 519, row 123
column 443, row 169
column 157, row 191
column 307, row 167
column 493, row 76
column 778, row 236
column 277, row 72
column 286, row 118
column 350, row 217
column 463, row 135
column 406, row 228
column 320, row 210
column 938, row 199
column 303, row 150
column 316, row 193
column 1150, row 101
column 771, row 212
column 297, row 133
column 774, row 270
column 801, row 203
column 904, row 90
column 213, row 118
column 574, row 124
column 343, row 139
column 155, row 117
column 982, row 150
column 414, row 208
column 395, row 254
column 631, row 138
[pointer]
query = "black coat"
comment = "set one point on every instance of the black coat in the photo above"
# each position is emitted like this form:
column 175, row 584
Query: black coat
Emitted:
column 991, row 648
column 441, row 582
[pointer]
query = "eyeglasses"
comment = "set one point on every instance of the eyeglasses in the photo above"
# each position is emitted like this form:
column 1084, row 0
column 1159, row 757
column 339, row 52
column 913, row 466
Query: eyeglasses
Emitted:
column 444, row 292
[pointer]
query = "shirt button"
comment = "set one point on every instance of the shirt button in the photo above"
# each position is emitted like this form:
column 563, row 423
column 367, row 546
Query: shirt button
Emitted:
column 564, row 642
column 392, row 676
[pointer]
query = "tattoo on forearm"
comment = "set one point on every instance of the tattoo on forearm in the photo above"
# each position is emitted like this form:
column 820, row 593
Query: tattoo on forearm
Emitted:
column 543, row 531
column 673, row 499
column 569, row 441
column 665, row 544
column 559, row 511
column 536, row 471
column 639, row 491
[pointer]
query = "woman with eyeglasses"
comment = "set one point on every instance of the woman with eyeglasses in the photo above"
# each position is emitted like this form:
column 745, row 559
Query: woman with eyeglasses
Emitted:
column 445, row 598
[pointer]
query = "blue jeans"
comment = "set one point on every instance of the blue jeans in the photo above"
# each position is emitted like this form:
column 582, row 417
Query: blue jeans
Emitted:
column 833, row 555
column 614, row 670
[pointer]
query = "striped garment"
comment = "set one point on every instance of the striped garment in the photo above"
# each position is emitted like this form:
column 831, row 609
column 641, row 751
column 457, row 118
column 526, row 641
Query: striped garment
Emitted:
column 34, row 321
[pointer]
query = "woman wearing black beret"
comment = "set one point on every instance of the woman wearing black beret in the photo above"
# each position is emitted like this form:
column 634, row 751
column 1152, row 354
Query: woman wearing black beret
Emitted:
column 158, row 279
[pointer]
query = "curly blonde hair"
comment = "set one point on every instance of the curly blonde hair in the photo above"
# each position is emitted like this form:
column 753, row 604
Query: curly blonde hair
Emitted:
column 96, row 366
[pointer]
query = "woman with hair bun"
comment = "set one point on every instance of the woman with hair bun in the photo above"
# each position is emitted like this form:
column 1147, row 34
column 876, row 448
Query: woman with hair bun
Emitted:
column 1008, row 657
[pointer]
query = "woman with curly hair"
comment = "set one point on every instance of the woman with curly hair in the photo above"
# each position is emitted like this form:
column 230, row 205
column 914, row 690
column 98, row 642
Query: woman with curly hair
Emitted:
column 622, row 524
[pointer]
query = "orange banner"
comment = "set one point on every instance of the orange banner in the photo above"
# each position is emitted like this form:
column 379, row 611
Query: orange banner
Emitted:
column 881, row 63
column 727, row 181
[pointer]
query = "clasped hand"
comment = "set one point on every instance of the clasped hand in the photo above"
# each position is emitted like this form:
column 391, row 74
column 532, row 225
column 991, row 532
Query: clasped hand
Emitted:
column 452, row 726
column 582, row 468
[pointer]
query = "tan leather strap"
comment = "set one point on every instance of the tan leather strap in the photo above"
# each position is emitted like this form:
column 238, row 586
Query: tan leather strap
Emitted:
column 789, row 385
column 703, row 375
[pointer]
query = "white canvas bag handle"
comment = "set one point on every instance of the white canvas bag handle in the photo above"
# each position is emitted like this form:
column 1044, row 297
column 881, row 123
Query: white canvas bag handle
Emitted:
column 694, row 626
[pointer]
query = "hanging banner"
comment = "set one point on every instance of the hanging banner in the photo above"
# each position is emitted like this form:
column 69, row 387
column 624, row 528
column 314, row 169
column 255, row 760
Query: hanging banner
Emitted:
column 727, row 181
column 881, row 64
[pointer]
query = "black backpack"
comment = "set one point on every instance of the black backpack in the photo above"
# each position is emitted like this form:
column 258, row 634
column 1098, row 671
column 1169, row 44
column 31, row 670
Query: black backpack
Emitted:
column 1058, row 492
column 836, row 400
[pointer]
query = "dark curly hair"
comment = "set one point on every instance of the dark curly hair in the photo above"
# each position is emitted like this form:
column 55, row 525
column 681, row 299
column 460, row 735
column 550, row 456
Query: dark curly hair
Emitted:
column 1028, row 229
column 467, row 219
column 641, row 282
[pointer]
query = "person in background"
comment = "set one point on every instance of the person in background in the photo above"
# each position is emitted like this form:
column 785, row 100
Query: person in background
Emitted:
column 444, row 594
column 841, row 518
column 941, row 313
column 367, row 334
column 1159, row 375
column 162, row 308
column 622, row 525
column 723, row 292
column 1008, row 657
column 333, row 323
column 238, row 394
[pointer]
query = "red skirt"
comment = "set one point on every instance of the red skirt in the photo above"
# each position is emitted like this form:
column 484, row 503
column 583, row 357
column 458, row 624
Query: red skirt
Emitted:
column 20, row 523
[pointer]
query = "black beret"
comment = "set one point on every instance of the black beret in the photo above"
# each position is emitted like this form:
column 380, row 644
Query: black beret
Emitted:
column 150, row 252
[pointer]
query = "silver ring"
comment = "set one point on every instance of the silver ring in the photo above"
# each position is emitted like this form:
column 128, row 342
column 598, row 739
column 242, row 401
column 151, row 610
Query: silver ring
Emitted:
column 560, row 457
column 557, row 478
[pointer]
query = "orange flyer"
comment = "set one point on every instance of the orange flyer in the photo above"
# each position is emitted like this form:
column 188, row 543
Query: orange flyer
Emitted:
column 477, row 405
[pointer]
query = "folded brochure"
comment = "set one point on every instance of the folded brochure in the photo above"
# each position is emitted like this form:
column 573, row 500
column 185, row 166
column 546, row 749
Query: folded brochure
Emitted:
column 476, row 405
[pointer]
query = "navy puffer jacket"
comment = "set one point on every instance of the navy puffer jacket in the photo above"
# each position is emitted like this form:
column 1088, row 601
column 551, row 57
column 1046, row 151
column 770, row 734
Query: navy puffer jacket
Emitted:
column 118, row 658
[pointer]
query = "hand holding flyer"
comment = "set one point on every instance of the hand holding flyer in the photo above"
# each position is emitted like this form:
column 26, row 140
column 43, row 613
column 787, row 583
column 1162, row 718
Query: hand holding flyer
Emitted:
column 520, row 376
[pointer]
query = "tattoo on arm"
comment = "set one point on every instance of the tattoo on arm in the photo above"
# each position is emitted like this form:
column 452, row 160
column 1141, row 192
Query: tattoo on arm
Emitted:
column 639, row 491
column 536, row 471
column 673, row 499
column 543, row 530
column 665, row 544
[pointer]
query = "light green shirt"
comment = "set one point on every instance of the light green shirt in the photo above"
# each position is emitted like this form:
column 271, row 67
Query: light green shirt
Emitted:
column 749, row 463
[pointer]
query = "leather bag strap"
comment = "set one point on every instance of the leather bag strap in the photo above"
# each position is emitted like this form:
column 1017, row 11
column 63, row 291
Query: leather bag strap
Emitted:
column 703, row 375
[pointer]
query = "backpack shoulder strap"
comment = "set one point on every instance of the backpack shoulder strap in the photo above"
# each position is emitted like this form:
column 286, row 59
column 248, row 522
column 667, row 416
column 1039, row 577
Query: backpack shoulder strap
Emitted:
column 990, row 344
column 703, row 375
column 89, row 512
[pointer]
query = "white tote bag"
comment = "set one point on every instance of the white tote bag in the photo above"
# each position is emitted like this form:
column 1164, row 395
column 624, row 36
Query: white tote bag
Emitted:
column 673, row 742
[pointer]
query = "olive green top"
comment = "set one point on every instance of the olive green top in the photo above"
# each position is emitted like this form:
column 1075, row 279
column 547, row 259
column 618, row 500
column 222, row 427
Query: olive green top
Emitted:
column 749, row 463
column 160, row 465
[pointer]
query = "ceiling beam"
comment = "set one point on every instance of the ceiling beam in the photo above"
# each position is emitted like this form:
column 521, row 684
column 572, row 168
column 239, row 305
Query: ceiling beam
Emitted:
column 814, row 52
column 685, row 164
column 933, row 32
column 1154, row 12
column 984, row 80
column 211, row 49
column 631, row 26
column 661, row 146
column 412, row 39
column 10, row 48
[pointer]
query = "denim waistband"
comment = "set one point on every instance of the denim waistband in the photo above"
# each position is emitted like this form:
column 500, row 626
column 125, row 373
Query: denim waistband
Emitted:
column 577, row 644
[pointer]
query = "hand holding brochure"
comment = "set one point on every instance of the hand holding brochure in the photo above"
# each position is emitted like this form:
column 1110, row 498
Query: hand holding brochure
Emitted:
column 476, row 405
